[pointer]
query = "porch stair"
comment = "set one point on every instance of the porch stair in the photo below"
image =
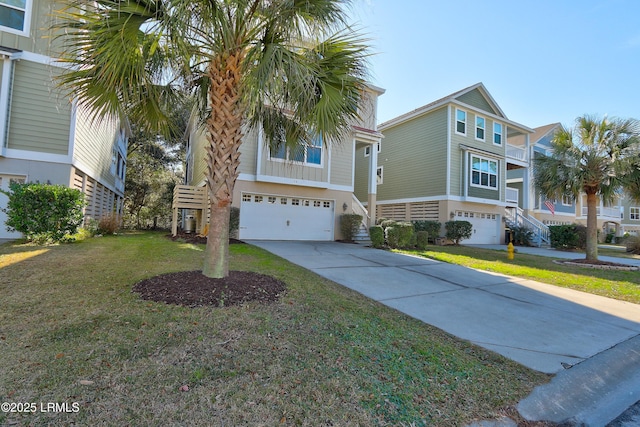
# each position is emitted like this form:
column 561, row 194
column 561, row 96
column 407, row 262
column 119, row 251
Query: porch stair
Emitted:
column 515, row 217
column 362, row 236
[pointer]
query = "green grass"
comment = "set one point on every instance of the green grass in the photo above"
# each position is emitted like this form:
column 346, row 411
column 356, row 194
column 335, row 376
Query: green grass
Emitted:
column 72, row 331
column 621, row 285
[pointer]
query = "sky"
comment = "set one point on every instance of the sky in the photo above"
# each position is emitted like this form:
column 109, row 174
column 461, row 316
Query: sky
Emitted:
column 542, row 61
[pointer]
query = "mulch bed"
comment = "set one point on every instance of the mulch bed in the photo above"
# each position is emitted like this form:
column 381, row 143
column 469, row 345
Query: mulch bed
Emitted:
column 193, row 289
column 196, row 239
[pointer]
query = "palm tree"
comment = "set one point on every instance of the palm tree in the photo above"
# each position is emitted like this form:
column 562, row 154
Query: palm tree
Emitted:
column 293, row 68
column 599, row 158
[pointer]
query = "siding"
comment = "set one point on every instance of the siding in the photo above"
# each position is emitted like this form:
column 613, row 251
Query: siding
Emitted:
column 414, row 158
column 475, row 99
column 94, row 145
column 342, row 163
column 361, row 180
column 249, row 152
column 34, row 102
column 39, row 40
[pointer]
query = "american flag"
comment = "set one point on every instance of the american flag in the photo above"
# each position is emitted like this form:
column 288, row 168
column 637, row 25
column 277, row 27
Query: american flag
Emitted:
column 549, row 205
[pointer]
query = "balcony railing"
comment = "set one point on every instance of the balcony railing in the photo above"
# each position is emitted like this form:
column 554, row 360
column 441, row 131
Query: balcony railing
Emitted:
column 517, row 153
column 511, row 195
column 603, row 212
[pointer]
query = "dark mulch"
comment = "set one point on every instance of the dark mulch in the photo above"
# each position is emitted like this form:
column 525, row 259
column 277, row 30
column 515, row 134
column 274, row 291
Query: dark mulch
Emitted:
column 193, row 289
column 598, row 262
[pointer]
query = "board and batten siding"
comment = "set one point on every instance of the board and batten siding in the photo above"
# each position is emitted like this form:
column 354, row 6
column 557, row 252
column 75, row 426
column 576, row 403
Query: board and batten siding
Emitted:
column 33, row 101
column 475, row 99
column 414, row 157
column 95, row 142
column 342, row 163
column 39, row 39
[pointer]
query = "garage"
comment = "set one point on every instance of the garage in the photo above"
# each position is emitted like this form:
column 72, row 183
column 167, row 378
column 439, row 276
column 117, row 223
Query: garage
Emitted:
column 485, row 227
column 274, row 217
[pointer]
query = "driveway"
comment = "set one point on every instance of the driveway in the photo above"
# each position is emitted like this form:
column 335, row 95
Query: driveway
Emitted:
column 541, row 326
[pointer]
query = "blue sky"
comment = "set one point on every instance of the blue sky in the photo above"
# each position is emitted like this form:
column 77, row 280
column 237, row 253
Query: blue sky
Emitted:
column 543, row 61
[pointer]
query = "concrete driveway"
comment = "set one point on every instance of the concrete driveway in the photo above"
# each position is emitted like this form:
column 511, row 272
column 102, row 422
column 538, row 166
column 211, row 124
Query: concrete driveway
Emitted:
column 544, row 327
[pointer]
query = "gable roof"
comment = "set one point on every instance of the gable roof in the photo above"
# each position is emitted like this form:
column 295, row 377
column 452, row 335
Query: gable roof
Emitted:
column 454, row 97
column 542, row 131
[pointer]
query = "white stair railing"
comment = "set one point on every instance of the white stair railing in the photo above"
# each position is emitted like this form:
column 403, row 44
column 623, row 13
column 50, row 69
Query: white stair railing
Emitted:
column 516, row 217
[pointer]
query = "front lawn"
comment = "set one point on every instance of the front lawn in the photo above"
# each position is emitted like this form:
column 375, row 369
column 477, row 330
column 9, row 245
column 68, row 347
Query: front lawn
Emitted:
column 621, row 285
column 72, row 333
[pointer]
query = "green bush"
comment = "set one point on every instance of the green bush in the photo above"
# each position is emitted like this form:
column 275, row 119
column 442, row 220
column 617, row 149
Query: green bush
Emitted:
column 376, row 234
column 431, row 227
column 570, row 236
column 43, row 212
column 422, row 239
column 349, row 225
column 388, row 223
column 234, row 221
column 458, row 230
column 521, row 236
column 399, row 234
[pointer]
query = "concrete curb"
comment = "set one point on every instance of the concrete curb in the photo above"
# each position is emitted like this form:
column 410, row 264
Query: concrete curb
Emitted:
column 591, row 393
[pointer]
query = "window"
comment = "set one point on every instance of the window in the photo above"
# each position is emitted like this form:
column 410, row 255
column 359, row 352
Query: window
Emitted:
column 634, row 213
column 295, row 202
column 497, row 133
column 309, row 153
column 379, row 175
column 257, row 199
column 271, row 200
column 14, row 15
column 283, row 200
column 484, row 172
column 567, row 200
column 480, row 128
column 367, row 149
column 246, row 197
column 461, row 122
column 326, row 204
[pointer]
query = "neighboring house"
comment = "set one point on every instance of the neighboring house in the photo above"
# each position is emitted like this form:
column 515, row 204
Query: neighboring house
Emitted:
column 44, row 137
column 448, row 160
column 615, row 218
column 287, row 195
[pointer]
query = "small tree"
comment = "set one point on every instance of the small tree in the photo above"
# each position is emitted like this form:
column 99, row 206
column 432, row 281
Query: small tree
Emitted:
column 44, row 212
column 349, row 225
column 458, row 230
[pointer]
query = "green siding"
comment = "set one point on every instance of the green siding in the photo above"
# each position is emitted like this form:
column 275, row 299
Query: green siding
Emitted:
column 475, row 99
column 414, row 158
column 342, row 163
column 361, row 181
column 34, row 102
column 39, row 40
column 94, row 144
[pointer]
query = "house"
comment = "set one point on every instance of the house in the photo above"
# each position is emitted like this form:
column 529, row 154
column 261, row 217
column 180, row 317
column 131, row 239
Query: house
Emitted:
column 44, row 137
column 615, row 218
column 287, row 195
column 448, row 160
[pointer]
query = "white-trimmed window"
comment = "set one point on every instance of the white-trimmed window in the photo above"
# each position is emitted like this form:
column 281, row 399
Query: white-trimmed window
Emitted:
column 367, row 149
column 15, row 15
column 484, row 172
column 634, row 213
column 567, row 200
column 480, row 128
column 461, row 122
column 497, row 133
column 308, row 153
column 380, row 175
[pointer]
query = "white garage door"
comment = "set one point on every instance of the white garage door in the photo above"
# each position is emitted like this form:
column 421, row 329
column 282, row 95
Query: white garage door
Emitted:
column 4, row 185
column 485, row 227
column 269, row 217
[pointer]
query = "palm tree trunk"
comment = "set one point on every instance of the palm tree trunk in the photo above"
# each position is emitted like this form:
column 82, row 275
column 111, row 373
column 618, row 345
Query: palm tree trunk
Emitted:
column 224, row 128
column 592, row 227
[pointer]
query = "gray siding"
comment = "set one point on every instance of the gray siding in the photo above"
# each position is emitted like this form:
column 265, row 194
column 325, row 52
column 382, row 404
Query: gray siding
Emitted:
column 414, row 158
column 39, row 115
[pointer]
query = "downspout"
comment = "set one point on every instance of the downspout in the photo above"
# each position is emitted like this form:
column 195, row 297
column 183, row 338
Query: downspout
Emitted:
column 5, row 99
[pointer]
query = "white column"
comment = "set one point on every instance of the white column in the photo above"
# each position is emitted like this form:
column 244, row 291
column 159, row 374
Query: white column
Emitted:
column 373, row 183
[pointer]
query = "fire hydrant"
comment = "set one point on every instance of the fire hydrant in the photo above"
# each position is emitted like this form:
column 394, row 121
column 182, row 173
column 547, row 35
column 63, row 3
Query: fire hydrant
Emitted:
column 510, row 250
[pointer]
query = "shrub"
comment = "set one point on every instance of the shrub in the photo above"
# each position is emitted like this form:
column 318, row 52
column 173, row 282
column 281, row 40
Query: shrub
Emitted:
column 234, row 221
column 349, row 225
column 43, row 212
column 422, row 239
column 458, row 230
column 633, row 244
column 109, row 224
column 570, row 236
column 379, row 221
column 399, row 234
column 521, row 236
column 376, row 234
column 388, row 223
column 431, row 227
